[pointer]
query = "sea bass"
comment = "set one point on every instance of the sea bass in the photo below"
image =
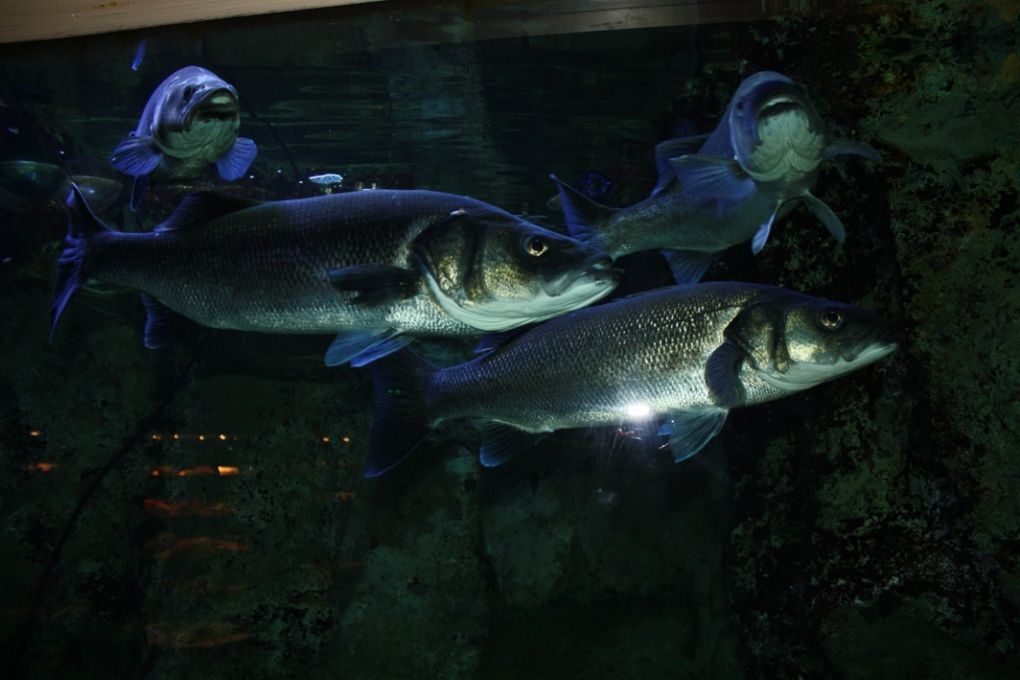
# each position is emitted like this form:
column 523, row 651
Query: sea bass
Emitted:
column 686, row 354
column 721, row 189
column 190, row 121
column 375, row 266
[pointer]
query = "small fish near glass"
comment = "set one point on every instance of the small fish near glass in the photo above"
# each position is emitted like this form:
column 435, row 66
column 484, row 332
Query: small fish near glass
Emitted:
column 189, row 122
column 724, row 188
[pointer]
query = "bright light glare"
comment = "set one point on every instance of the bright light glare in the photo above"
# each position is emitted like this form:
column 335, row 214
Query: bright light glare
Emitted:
column 639, row 410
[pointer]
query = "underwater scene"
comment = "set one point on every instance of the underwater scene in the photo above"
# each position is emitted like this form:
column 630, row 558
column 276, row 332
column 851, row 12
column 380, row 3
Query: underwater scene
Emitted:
column 514, row 340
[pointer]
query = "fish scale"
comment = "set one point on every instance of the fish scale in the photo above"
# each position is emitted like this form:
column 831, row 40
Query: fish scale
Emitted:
column 369, row 266
column 266, row 267
column 587, row 367
column 683, row 355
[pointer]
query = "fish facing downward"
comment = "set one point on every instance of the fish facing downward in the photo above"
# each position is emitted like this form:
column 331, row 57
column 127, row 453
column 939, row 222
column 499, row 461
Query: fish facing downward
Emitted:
column 719, row 190
column 190, row 121
column 377, row 267
column 684, row 354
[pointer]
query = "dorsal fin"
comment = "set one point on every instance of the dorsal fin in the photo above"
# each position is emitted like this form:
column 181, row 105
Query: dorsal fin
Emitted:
column 202, row 206
column 673, row 148
column 584, row 216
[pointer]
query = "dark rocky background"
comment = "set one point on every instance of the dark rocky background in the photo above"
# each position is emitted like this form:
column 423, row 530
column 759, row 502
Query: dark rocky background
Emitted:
column 867, row 529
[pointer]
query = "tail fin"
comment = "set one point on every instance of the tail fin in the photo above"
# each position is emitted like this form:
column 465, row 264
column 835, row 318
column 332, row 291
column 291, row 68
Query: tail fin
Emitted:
column 584, row 216
column 82, row 224
column 400, row 421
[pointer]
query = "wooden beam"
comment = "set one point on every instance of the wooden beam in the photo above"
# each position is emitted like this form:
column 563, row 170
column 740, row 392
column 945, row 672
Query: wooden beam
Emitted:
column 433, row 21
column 24, row 20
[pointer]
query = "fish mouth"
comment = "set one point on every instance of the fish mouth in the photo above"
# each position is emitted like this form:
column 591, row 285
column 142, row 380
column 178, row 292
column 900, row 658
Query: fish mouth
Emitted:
column 786, row 143
column 216, row 105
column 872, row 347
column 778, row 98
column 597, row 271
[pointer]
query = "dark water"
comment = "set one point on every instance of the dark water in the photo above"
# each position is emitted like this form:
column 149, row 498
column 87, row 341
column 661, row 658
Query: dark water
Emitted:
column 200, row 511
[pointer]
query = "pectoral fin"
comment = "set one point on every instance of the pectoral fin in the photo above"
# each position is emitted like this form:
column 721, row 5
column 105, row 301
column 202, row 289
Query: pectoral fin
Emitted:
column 762, row 235
column 712, row 177
column 824, row 213
column 502, row 442
column 722, row 375
column 690, row 431
column 136, row 156
column 848, row 147
column 688, row 266
column 375, row 284
column 361, row 348
column 233, row 164
column 139, row 186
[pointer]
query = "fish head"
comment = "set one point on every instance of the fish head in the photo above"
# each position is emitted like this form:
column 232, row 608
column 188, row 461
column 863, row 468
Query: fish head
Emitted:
column 494, row 271
column 197, row 114
column 775, row 131
column 793, row 342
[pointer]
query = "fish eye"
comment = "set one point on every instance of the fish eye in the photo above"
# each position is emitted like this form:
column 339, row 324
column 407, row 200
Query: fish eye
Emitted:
column 536, row 246
column 189, row 91
column 831, row 319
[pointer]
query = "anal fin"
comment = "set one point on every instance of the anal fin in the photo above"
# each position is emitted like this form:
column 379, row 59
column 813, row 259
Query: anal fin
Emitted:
column 163, row 326
column 501, row 442
column 688, row 266
column 690, row 431
column 361, row 348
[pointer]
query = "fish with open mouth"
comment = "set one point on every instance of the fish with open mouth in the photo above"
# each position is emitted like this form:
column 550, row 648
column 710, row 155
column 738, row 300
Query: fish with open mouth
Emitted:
column 376, row 267
column 190, row 121
column 685, row 354
column 724, row 188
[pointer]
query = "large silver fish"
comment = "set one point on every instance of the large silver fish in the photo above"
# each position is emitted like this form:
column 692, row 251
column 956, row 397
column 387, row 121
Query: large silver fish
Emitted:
column 377, row 266
column 722, row 189
column 189, row 121
column 687, row 354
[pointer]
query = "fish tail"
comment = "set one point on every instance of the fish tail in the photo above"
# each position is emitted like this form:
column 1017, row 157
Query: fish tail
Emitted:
column 82, row 224
column 400, row 417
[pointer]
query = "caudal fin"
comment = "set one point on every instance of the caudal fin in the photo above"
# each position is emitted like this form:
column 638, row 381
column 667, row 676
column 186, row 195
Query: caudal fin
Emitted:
column 82, row 224
column 400, row 420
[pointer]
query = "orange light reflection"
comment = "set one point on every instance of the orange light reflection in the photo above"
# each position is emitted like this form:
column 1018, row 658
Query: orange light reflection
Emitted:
column 195, row 635
column 193, row 471
column 161, row 508
column 204, row 543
